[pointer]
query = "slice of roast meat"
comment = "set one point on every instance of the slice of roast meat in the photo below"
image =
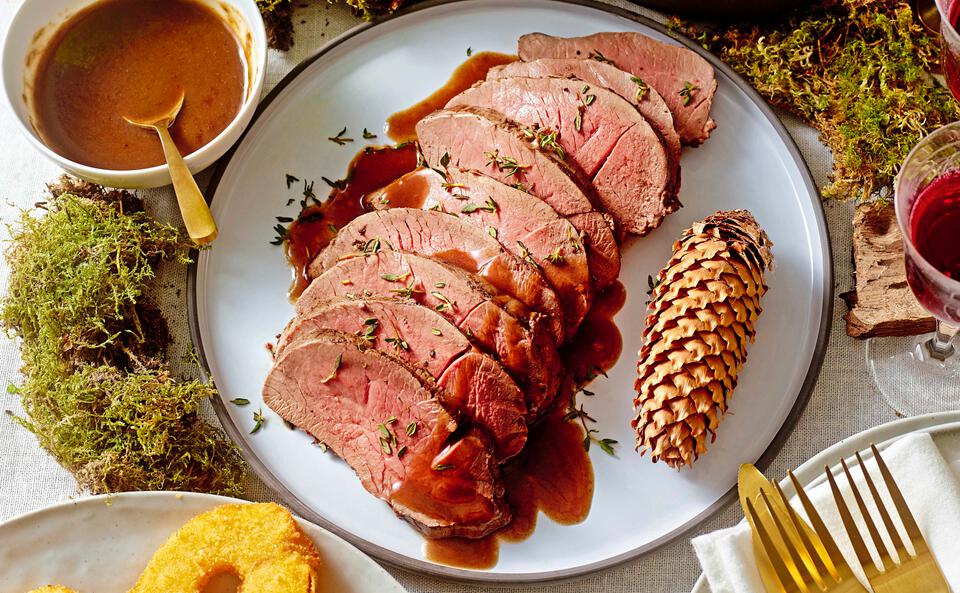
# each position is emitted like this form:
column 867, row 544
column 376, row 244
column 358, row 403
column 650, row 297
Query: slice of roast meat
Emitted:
column 484, row 141
column 474, row 386
column 598, row 132
column 358, row 402
column 526, row 226
column 685, row 80
column 497, row 324
column 632, row 88
column 443, row 236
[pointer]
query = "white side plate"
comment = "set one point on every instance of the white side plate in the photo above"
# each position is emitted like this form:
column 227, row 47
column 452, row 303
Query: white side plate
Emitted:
column 101, row 544
column 239, row 300
column 944, row 427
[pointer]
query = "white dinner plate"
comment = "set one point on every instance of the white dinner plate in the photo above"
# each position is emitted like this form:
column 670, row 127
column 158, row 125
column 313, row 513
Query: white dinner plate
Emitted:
column 944, row 427
column 101, row 544
column 239, row 301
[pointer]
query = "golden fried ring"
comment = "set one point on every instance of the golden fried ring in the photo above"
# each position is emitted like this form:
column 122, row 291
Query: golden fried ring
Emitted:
column 261, row 543
column 53, row 589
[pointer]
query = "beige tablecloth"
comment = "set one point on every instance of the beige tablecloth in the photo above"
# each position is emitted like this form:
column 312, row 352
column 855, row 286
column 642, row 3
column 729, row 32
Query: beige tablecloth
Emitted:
column 843, row 403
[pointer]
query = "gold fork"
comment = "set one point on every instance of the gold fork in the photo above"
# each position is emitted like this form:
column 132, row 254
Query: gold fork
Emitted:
column 913, row 573
column 803, row 559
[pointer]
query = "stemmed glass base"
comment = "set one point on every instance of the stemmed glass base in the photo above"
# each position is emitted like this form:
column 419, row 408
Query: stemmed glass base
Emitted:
column 916, row 375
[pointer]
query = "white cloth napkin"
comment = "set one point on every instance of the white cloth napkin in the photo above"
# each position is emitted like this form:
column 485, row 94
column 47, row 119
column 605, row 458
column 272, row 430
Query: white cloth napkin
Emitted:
column 928, row 483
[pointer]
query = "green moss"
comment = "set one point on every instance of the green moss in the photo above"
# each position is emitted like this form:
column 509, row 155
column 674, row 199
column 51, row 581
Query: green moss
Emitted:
column 857, row 70
column 277, row 15
column 98, row 392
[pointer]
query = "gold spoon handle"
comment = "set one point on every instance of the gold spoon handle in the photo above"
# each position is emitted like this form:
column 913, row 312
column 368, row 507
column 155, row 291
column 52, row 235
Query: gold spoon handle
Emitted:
column 193, row 207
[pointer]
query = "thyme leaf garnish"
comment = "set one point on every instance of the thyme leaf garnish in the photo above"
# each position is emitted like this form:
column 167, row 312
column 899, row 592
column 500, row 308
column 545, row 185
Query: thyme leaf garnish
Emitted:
column 556, row 256
column 340, row 138
column 398, row 343
column 504, row 163
column 546, row 139
column 368, row 135
column 395, row 277
column 291, row 180
column 340, row 184
column 527, row 256
column 642, row 88
column 687, row 92
column 240, row 401
column 336, row 367
column 596, row 55
column 407, row 291
column 445, row 303
column 258, row 421
column 281, row 232
column 489, row 206
column 367, row 333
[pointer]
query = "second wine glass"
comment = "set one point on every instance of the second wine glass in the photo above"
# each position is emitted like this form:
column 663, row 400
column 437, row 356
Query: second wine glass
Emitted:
column 924, row 376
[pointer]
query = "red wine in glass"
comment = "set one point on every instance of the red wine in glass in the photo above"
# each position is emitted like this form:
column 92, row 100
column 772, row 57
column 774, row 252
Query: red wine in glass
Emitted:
column 950, row 40
column 934, row 226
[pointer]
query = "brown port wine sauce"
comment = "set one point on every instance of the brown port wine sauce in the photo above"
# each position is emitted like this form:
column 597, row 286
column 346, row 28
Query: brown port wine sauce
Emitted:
column 401, row 126
column 119, row 58
column 317, row 225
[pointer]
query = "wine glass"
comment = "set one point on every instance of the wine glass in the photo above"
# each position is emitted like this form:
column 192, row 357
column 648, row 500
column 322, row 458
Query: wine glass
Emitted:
column 924, row 376
column 949, row 44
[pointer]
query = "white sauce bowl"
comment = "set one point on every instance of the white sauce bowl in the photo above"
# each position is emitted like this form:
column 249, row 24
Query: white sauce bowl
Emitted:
column 38, row 20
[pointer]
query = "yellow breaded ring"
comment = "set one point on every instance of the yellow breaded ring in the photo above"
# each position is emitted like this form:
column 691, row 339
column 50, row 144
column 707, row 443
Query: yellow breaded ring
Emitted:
column 53, row 589
column 260, row 543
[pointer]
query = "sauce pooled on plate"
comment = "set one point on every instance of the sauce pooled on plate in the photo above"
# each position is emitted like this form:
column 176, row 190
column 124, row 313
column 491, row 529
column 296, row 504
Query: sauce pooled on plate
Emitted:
column 133, row 58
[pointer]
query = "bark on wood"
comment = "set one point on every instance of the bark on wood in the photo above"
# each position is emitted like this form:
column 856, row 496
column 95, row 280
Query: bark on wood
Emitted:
column 882, row 304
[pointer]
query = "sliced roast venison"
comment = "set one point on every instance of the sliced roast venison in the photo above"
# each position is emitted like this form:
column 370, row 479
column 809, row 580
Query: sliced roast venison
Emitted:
column 599, row 133
column 595, row 73
column 485, row 141
column 686, row 81
column 358, row 402
column 443, row 236
column 525, row 225
column 497, row 324
column 474, row 386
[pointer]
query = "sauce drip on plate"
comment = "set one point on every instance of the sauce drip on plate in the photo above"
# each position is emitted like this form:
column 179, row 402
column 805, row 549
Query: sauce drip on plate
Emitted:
column 317, row 224
column 402, row 125
column 133, row 58
column 553, row 474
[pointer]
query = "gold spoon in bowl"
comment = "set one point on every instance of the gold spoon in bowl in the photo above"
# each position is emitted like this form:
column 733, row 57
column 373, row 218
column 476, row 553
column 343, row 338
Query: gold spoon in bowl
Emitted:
column 193, row 207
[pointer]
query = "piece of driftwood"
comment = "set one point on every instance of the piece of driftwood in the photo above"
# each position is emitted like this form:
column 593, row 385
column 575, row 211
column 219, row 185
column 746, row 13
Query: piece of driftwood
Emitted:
column 882, row 303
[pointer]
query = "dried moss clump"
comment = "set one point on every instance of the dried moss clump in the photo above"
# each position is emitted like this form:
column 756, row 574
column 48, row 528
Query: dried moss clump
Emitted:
column 278, row 17
column 856, row 70
column 98, row 392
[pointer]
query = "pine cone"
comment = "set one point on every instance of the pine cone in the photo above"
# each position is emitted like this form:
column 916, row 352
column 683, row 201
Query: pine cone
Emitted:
column 702, row 315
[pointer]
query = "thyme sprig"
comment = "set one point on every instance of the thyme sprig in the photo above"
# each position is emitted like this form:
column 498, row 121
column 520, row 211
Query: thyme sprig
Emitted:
column 546, row 139
column 688, row 91
column 596, row 55
column 642, row 88
column 504, row 163
column 340, row 138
